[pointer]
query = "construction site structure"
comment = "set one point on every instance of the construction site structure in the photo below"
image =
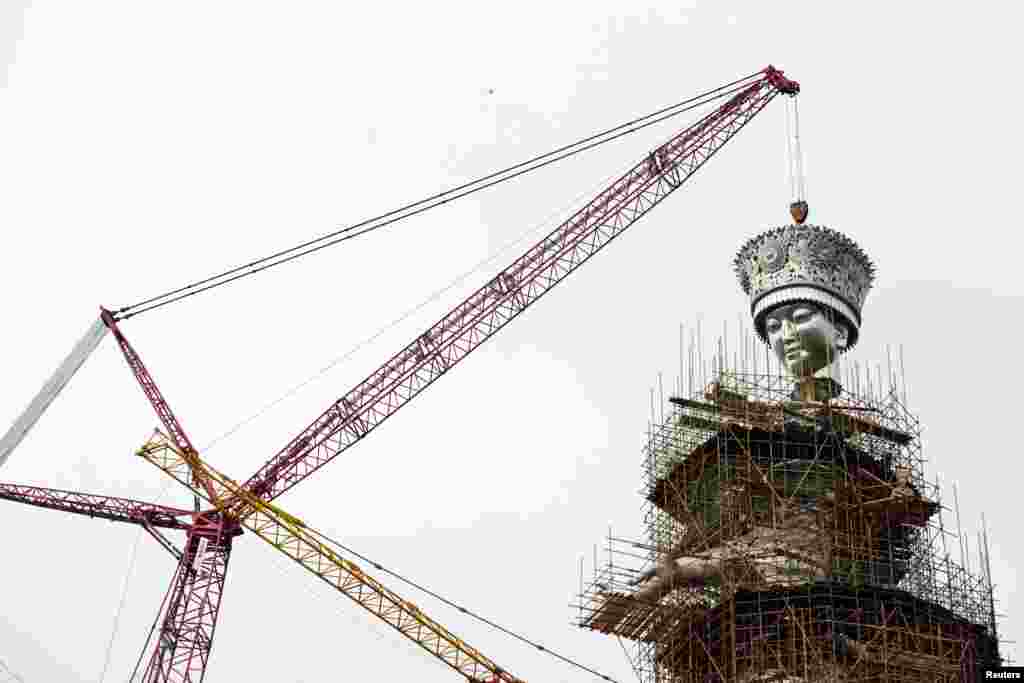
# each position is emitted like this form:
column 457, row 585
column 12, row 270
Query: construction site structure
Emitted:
column 189, row 614
column 791, row 534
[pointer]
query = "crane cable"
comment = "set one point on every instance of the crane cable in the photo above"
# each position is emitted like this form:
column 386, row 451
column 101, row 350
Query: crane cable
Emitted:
column 165, row 489
column 159, row 613
column 636, row 671
column 800, row 179
column 409, row 313
column 797, row 183
column 120, row 606
column 531, row 232
column 433, row 201
column 448, row 602
column 380, row 568
column 424, row 204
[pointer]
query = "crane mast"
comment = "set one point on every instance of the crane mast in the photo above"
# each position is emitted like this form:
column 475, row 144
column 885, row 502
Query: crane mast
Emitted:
column 185, row 638
column 293, row 537
column 186, row 634
column 438, row 349
column 157, row 400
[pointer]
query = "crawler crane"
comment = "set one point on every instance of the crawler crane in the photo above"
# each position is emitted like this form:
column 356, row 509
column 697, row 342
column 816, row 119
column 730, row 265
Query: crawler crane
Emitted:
column 189, row 615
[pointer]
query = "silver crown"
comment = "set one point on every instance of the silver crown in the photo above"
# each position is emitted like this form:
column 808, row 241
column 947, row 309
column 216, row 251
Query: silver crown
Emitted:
column 805, row 263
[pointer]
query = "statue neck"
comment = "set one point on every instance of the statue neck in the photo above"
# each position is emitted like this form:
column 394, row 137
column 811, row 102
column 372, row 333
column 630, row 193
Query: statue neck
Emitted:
column 819, row 389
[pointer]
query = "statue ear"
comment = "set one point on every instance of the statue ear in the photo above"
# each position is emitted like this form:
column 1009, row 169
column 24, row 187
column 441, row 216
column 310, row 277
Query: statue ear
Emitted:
column 842, row 337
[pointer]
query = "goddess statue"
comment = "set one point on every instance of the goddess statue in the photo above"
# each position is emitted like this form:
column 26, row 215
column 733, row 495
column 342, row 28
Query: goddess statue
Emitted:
column 789, row 532
column 807, row 286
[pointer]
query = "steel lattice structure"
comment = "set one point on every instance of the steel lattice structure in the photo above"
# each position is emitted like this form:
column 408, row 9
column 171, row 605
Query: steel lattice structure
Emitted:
column 790, row 540
column 186, row 634
column 295, row 539
column 191, row 607
column 509, row 293
column 105, row 507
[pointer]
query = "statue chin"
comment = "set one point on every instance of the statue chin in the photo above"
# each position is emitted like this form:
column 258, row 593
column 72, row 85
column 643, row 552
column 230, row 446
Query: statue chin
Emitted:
column 808, row 365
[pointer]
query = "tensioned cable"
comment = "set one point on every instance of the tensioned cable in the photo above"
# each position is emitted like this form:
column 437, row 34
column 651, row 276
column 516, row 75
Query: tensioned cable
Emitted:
column 165, row 490
column 802, row 183
column 152, row 629
column 636, row 672
column 789, row 156
column 183, row 290
column 366, row 623
column 120, row 606
column 444, row 193
column 448, row 602
column 543, row 225
column 433, row 297
column 433, row 201
column 347, row 233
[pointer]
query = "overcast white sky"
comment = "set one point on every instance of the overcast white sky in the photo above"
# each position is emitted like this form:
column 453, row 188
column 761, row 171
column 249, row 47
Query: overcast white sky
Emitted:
column 147, row 144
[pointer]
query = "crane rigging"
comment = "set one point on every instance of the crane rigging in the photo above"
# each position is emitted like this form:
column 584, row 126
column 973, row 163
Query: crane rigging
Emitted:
column 408, row 210
column 192, row 604
column 511, row 291
column 94, row 335
column 794, row 157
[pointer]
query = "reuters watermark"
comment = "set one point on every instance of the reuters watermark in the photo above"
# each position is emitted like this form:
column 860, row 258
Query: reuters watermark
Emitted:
column 1004, row 673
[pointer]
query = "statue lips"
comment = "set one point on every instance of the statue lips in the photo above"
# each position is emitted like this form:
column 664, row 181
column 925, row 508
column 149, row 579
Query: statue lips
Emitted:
column 794, row 351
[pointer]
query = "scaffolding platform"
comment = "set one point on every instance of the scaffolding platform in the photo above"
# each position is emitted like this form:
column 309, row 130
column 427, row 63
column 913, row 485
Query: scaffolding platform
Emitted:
column 791, row 540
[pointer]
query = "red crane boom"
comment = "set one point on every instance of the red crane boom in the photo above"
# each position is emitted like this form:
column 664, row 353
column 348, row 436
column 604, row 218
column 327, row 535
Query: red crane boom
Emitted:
column 105, row 507
column 509, row 293
column 185, row 638
column 156, row 399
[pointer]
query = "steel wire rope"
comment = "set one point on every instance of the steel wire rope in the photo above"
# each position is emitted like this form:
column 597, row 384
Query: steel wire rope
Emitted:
column 156, row 620
column 165, row 489
column 444, row 193
column 636, row 671
column 544, row 224
column 375, row 625
column 120, row 606
column 789, row 156
column 448, row 602
column 430, row 299
column 800, row 178
column 797, row 181
column 444, row 197
column 161, row 499
column 279, row 567
column 353, row 235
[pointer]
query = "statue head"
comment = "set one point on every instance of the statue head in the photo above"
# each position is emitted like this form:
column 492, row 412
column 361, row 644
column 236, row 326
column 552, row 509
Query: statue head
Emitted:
column 805, row 337
column 807, row 286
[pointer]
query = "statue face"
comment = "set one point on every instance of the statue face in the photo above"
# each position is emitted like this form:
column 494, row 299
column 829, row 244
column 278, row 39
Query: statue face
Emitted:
column 804, row 338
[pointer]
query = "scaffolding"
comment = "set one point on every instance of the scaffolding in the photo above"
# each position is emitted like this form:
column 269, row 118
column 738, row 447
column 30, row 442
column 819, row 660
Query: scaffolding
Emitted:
column 790, row 536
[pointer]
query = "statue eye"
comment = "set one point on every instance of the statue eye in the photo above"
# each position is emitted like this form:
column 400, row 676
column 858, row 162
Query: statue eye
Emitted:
column 773, row 324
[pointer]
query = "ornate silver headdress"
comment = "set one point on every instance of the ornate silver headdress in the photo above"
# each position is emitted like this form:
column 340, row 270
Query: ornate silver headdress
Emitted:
column 805, row 263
